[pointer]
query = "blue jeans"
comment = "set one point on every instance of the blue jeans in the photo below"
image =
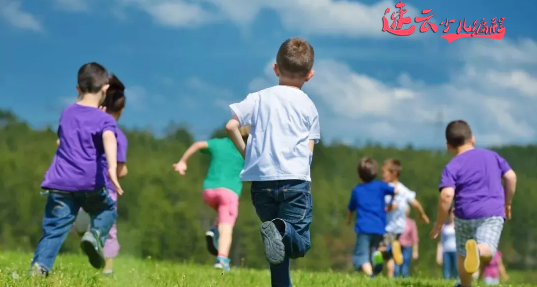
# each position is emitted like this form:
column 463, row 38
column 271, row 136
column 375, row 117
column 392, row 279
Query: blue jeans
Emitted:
column 449, row 265
column 291, row 202
column 60, row 214
column 365, row 245
column 403, row 270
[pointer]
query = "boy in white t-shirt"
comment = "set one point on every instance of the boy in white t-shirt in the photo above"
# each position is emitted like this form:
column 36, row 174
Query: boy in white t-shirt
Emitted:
column 284, row 128
column 396, row 217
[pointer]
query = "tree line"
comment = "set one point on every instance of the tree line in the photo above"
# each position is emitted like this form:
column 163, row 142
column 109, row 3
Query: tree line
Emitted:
column 162, row 214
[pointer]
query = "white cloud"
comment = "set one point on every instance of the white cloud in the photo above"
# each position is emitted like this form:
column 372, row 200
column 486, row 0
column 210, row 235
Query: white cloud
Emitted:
column 72, row 5
column 311, row 17
column 494, row 98
column 12, row 13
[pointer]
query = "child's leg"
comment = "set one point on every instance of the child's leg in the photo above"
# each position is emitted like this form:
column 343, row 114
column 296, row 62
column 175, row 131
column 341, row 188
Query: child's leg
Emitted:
column 211, row 199
column 487, row 237
column 264, row 195
column 361, row 256
column 228, row 211
column 60, row 213
column 102, row 210
column 407, row 260
column 111, row 249
column 464, row 232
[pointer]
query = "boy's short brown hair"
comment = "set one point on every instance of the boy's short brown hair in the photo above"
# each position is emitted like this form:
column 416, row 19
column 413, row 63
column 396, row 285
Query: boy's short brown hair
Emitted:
column 458, row 133
column 295, row 58
column 394, row 165
column 92, row 77
column 367, row 169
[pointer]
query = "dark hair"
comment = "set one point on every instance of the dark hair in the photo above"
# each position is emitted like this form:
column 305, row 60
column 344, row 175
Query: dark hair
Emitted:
column 115, row 96
column 295, row 58
column 394, row 165
column 92, row 77
column 367, row 169
column 458, row 133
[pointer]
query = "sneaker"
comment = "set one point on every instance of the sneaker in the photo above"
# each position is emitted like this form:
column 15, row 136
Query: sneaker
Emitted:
column 274, row 248
column 222, row 263
column 211, row 237
column 108, row 272
column 377, row 260
column 38, row 270
column 471, row 261
column 397, row 254
column 92, row 247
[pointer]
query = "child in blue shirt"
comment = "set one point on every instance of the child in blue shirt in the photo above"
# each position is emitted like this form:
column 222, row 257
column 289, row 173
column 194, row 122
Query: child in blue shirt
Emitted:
column 367, row 199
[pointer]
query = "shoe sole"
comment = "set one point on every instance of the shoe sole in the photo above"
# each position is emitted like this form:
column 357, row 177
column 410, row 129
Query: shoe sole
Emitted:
column 209, row 238
column 396, row 253
column 471, row 261
column 95, row 258
column 274, row 248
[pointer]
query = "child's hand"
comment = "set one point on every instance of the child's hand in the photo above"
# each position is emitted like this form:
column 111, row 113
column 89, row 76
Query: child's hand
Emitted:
column 508, row 211
column 437, row 228
column 112, row 173
column 415, row 255
column 424, row 218
column 180, row 167
column 348, row 222
column 390, row 207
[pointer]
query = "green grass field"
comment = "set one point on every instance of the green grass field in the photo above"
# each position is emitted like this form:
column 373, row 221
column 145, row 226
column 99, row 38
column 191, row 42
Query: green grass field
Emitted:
column 73, row 270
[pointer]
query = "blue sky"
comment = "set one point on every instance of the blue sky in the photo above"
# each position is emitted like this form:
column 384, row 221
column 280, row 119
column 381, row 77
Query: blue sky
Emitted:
column 185, row 61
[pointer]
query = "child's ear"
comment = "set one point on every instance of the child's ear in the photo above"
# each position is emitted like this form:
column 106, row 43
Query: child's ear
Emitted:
column 310, row 75
column 473, row 141
column 276, row 70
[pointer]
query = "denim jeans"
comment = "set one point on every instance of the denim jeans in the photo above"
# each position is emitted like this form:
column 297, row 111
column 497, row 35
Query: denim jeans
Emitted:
column 291, row 202
column 403, row 270
column 366, row 244
column 449, row 265
column 60, row 214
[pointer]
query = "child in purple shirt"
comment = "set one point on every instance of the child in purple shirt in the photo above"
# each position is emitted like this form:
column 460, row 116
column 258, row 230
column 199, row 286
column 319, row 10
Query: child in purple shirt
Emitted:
column 86, row 159
column 473, row 178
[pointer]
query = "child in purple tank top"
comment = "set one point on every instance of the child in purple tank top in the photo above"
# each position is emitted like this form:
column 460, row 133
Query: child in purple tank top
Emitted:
column 84, row 163
column 473, row 180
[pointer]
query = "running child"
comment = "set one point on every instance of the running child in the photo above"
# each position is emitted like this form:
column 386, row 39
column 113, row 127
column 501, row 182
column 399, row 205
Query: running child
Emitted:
column 79, row 173
column 446, row 250
column 367, row 200
column 284, row 128
column 473, row 179
column 396, row 217
column 494, row 271
column 221, row 191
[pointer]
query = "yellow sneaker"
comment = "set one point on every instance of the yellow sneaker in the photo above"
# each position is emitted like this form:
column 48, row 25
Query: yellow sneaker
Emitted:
column 396, row 252
column 472, row 260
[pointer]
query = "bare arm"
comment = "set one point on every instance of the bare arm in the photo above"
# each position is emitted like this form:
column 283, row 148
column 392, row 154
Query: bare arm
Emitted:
column 58, row 142
column 444, row 203
column 349, row 217
column 509, row 179
column 439, row 253
column 232, row 129
column 110, row 150
column 417, row 205
column 121, row 169
column 311, row 145
column 415, row 251
column 195, row 147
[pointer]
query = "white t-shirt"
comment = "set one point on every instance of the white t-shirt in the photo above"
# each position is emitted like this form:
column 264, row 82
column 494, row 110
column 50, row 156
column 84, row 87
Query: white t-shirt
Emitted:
column 282, row 120
column 449, row 242
column 396, row 219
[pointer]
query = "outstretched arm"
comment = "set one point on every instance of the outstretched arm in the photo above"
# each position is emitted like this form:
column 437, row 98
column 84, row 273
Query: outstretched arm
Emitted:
column 417, row 205
column 181, row 165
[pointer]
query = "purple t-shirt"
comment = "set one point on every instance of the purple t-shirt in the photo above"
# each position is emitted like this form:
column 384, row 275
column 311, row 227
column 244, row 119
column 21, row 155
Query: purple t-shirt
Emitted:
column 77, row 165
column 476, row 176
column 122, row 145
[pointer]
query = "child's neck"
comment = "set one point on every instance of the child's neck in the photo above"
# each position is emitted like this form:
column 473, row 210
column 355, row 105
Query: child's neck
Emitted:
column 395, row 181
column 90, row 100
column 464, row 148
column 297, row 84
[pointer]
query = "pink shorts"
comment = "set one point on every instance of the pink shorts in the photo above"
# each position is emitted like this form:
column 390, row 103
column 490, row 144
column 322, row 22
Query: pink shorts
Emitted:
column 225, row 202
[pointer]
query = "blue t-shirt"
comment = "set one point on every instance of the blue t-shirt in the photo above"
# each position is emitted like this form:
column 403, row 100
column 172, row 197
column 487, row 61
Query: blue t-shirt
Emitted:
column 367, row 199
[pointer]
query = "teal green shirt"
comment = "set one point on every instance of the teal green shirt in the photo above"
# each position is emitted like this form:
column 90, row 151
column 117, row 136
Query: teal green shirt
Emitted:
column 225, row 167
